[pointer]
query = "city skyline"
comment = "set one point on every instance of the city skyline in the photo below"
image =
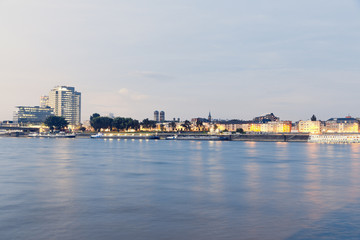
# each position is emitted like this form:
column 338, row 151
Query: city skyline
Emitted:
column 235, row 58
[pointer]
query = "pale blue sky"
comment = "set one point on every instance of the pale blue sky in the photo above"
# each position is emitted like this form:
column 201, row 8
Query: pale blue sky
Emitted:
column 237, row 58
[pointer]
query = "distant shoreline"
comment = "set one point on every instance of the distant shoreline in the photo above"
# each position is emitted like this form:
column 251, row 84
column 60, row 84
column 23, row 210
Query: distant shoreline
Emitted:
column 193, row 136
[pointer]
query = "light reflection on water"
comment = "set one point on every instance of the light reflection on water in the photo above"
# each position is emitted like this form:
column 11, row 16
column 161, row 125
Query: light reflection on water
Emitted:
column 102, row 189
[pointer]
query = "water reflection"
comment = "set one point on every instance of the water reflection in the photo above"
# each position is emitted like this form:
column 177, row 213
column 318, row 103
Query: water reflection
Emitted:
column 176, row 189
column 282, row 168
column 325, row 166
column 252, row 183
column 59, row 172
column 251, row 149
column 312, row 176
column 216, row 170
column 355, row 172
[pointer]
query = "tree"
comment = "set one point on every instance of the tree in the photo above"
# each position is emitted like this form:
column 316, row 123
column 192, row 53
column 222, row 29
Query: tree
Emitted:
column 96, row 124
column 128, row 123
column 199, row 124
column 119, row 123
column 136, row 125
column 106, row 122
column 162, row 127
column 101, row 122
column 313, row 118
column 186, row 125
column 240, row 130
column 95, row 115
column 56, row 122
column 172, row 125
column 122, row 124
column 146, row 123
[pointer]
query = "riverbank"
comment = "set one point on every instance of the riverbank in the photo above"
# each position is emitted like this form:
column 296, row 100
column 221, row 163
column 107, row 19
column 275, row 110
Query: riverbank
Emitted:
column 192, row 136
column 270, row 137
column 202, row 136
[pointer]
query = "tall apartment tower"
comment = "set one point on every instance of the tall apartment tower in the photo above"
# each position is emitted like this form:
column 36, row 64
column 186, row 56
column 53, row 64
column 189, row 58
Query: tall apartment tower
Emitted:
column 66, row 102
column 162, row 116
column 156, row 116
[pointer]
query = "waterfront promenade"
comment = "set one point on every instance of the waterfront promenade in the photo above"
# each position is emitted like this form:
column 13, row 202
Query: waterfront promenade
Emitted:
column 192, row 136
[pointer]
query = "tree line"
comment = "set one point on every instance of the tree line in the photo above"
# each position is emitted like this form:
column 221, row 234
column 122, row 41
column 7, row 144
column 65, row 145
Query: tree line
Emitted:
column 119, row 123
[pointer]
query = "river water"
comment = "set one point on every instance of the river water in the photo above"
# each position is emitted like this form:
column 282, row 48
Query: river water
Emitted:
column 138, row 189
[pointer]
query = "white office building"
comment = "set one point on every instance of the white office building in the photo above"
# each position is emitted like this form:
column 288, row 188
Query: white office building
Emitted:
column 66, row 102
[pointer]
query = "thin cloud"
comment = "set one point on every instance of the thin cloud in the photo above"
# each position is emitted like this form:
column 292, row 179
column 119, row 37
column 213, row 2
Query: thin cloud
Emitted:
column 151, row 75
column 124, row 91
column 136, row 96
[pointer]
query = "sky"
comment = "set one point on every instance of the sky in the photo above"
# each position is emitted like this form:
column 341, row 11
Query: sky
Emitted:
column 236, row 58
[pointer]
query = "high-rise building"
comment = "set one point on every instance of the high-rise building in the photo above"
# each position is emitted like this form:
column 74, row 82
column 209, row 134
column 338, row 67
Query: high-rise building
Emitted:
column 162, row 116
column 34, row 115
column 156, row 116
column 66, row 102
column 44, row 101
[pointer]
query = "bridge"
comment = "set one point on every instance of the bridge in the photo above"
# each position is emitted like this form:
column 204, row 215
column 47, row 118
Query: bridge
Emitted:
column 19, row 128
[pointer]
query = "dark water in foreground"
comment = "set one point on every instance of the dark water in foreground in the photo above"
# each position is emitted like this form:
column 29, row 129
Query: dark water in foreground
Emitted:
column 124, row 189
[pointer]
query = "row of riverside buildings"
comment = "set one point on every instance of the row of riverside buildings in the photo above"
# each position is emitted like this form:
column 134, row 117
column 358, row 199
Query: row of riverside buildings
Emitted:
column 332, row 125
column 268, row 123
column 62, row 101
column 66, row 102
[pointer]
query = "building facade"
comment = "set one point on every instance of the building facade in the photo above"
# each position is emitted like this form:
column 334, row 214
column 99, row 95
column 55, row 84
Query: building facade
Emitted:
column 162, row 116
column 268, row 127
column 342, row 125
column 66, row 102
column 44, row 101
column 32, row 115
column 267, row 118
column 156, row 116
column 276, row 127
column 310, row 127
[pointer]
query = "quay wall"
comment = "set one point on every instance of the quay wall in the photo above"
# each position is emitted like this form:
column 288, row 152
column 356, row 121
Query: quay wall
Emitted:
column 232, row 137
column 271, row 137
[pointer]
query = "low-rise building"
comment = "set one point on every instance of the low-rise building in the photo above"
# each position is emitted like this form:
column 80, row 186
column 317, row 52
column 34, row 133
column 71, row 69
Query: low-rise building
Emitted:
column 342, row 125
column 276, row 127
column 314, row 127
column 232, row 125
column 255, row 127
column 32, row 115
column 267, row 118
column 266, row 127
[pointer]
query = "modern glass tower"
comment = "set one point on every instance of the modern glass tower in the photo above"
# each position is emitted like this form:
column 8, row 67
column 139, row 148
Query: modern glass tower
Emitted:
column 66, row 102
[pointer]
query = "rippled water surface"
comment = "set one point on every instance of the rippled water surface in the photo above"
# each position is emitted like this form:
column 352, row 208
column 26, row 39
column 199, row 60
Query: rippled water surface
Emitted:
column 124, row 189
